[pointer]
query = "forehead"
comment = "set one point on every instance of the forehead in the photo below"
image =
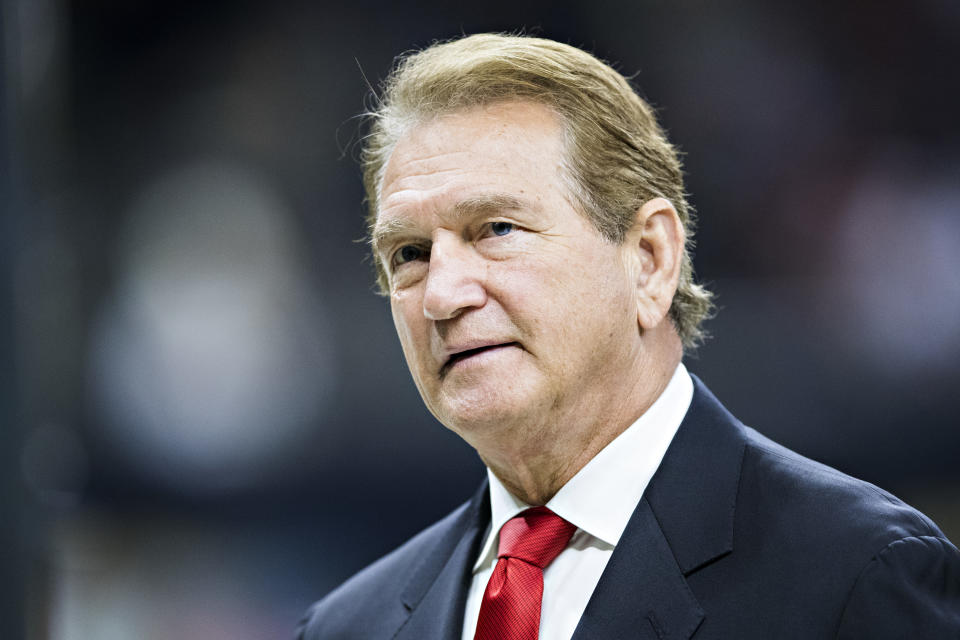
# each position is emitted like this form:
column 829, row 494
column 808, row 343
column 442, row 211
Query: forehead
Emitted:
column 513, row 146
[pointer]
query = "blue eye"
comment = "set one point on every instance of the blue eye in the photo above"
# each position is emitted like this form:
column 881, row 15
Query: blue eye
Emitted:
column 407, row 253
column 501, row 228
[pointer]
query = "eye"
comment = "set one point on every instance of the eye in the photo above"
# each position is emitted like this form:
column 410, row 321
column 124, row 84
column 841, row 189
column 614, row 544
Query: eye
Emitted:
column 408, row 253
column 501, row 228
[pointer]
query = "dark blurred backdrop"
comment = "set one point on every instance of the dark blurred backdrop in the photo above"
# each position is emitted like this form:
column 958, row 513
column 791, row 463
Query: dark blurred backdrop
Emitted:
column 206, row 419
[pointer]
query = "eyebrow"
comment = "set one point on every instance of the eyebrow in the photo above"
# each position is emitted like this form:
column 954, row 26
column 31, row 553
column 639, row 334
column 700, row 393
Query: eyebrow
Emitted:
column 487, row 203
column 472, row 206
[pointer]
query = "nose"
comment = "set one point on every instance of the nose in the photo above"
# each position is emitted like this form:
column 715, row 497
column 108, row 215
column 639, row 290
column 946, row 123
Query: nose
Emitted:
column 454, row 282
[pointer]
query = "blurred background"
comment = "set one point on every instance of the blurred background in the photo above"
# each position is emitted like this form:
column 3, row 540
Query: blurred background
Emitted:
column 205, row 417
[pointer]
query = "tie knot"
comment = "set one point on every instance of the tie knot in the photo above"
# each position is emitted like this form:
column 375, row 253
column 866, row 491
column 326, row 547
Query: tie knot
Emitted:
column 537, row 536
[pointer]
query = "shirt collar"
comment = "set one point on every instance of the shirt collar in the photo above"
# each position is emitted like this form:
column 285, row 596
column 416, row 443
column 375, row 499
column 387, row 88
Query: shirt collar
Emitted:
column 602, row 496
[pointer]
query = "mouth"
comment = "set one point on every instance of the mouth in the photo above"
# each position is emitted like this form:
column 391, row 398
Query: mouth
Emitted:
column 466, row 354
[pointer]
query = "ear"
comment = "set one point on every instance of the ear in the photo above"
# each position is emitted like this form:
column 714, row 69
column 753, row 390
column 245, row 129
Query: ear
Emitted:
column 654, row 248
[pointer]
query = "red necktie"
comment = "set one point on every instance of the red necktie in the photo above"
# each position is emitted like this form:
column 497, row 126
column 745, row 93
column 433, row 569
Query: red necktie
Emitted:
column 510, row 609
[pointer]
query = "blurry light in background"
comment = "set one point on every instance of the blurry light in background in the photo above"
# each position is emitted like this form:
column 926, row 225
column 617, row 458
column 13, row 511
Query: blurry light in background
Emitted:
column 899, row 255
column 213, row 357
column 120, row 579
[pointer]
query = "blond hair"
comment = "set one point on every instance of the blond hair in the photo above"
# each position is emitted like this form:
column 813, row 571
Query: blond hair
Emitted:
column 617, row 156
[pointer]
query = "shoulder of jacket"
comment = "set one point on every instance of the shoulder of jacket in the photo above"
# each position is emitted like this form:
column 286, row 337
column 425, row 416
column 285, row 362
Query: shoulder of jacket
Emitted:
column 376, row 588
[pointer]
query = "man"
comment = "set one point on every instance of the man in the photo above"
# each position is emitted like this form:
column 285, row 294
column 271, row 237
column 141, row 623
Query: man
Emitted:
column 528, row 222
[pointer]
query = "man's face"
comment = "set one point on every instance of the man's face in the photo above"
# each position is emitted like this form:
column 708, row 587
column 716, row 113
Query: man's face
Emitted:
column 515, row 315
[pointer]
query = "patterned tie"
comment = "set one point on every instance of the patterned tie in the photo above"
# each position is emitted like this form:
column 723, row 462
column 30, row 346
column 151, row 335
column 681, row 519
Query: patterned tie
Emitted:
column 510, row 609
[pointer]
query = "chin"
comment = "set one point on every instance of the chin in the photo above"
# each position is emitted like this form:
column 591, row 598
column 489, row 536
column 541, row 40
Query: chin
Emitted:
column 475, row 416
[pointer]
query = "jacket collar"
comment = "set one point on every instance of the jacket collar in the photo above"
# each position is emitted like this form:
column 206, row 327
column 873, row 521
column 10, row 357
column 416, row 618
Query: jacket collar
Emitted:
column 684, row 521
column 436, row 593
column 694, row 492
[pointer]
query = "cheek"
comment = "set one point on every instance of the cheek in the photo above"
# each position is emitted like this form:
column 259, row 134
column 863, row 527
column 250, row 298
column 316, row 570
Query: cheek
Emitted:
column 408, row 321
column 590, row 303
column 581, row 280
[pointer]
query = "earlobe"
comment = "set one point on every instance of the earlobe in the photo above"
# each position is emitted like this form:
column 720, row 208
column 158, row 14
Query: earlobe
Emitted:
column 656, row 242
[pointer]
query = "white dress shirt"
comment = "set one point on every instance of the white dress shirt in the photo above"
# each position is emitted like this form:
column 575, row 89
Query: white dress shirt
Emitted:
column 599, row 499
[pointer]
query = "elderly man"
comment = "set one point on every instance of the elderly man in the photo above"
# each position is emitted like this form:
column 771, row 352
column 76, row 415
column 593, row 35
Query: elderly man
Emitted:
column 528, row 223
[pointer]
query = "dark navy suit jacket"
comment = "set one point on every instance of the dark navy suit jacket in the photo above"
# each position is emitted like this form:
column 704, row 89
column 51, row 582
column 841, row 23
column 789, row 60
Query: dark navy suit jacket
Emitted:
column 735, row 537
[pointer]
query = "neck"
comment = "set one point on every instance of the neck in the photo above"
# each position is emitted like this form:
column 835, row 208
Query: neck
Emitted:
column 535, row 468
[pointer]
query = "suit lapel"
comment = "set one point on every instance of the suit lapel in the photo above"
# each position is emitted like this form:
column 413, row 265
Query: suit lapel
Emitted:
column 684, row 521
column 436, row 592
column 694, row 492
column 642, row 593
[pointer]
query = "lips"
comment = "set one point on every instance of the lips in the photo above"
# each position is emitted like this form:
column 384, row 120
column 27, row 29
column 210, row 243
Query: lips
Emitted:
column 464, row 354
